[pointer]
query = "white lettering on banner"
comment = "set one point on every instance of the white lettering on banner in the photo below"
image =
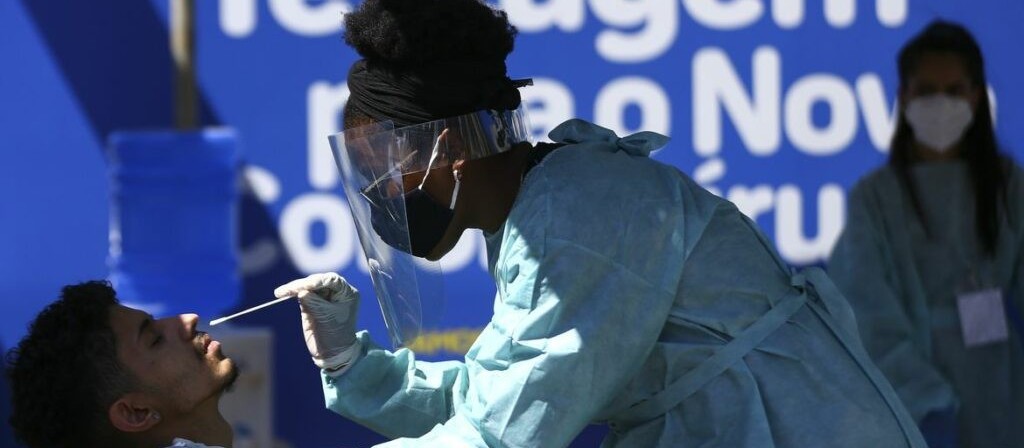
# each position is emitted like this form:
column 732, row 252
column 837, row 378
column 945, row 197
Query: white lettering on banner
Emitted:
column 325, row 103
column 643, row 30
column 792, row 243
column 788, row 205
column 752, row 202
column 655, row 21
column 238, row 17
column 725, row 15
column 360, row 257
column 788, row 14
column 838, row 13
column 718, row 92
column 304, row 19
column 462, row 255
column 879, row 115
column 465, row 252
column 532, row 16
column 297, row 219
column 549, row 103
column 757, row 105
column 800, row 127
column 891, row 13
column 613, row 99
column 716, row 86
column 709, row 172
column 342, row 245
column 262, row 183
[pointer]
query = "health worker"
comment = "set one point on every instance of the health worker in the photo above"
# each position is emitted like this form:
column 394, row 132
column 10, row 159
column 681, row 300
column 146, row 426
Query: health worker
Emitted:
column 626, row 293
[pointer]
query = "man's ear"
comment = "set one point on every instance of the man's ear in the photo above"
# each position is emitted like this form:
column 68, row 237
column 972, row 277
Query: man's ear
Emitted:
column 131, row 413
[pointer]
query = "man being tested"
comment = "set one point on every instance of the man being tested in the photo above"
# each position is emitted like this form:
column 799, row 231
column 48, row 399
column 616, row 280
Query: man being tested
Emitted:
column 94, row 373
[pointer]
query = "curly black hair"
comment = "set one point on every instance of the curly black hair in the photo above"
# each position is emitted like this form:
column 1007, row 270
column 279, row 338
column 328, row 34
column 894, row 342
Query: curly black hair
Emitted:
column 404, row 34
column 65, row 374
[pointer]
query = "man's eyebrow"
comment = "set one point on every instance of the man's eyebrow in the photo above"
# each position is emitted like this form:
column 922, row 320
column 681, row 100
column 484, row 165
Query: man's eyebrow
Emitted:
column 146, row 323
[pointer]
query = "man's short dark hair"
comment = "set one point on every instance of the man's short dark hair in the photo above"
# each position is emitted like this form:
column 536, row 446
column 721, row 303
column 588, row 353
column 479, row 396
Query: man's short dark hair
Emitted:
column 65, row 374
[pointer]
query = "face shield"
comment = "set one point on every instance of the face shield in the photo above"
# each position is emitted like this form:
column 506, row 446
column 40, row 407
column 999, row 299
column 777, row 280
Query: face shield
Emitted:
column 383, row 171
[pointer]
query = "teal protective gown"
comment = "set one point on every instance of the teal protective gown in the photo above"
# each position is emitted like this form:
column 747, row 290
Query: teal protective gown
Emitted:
column 903, row 285
column 628, row 294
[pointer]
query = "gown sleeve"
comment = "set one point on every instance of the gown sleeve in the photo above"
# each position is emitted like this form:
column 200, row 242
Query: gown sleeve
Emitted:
column 571, row 327
column 862, row 265
column 562, row 346
column 394, row 394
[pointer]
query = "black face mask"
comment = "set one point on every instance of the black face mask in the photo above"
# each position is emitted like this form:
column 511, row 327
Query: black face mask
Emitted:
column 427, row 221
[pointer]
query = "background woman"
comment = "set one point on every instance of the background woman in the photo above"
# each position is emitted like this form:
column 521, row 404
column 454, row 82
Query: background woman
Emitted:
column 931, row 257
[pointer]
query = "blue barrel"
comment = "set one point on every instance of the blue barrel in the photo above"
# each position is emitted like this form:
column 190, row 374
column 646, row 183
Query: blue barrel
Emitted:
column 174, row 220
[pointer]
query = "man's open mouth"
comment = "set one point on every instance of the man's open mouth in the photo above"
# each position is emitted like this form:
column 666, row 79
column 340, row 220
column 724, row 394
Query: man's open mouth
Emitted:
column 203, row 341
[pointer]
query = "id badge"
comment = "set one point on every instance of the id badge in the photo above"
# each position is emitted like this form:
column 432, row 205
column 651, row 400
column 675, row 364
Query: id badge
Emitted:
column 982, row 317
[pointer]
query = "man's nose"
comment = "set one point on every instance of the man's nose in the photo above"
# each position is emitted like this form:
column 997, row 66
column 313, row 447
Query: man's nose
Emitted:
column 189, row 322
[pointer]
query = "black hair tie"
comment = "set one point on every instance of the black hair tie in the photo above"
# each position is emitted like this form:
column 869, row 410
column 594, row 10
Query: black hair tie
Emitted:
column 444, row 90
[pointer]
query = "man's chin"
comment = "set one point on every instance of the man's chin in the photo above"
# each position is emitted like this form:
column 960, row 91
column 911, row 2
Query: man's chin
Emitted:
column 230, row 376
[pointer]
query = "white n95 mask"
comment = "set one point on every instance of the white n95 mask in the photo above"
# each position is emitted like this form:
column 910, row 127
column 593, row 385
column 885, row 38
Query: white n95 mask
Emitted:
column 939, row 120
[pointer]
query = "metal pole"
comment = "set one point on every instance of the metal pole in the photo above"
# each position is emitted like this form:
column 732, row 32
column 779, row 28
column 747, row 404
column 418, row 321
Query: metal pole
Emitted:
column 186, row 110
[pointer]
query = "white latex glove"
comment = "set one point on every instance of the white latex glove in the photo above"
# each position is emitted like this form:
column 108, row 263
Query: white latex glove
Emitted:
column 329, row 307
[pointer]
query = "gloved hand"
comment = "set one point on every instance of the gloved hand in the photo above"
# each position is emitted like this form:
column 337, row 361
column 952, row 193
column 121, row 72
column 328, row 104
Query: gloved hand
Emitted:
column 329, row 307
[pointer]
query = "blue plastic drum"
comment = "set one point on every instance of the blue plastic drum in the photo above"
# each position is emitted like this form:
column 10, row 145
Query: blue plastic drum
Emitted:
column 173, row 220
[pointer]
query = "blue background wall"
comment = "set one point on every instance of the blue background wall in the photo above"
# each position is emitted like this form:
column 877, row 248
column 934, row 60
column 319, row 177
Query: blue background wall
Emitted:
column 802, row 91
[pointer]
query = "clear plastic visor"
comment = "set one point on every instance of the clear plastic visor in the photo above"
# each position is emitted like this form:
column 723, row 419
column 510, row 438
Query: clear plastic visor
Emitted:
column 379, row 165
column 381, row 154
